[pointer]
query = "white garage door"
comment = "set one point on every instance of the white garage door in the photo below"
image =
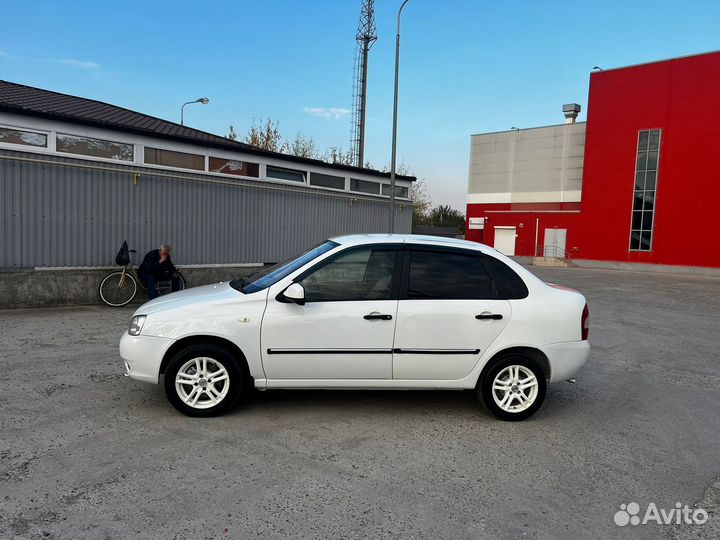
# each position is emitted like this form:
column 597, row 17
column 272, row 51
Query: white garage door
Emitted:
column 505, row 240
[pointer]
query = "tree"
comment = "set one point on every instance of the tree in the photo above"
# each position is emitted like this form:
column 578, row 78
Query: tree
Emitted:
column 336, row 154
column 421, row 203
column 446, row 216
column 302, row 146
column 266, row 136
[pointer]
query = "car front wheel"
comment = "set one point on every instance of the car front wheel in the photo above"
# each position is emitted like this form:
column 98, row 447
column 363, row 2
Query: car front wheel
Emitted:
column 514, row 388
column 203, row 380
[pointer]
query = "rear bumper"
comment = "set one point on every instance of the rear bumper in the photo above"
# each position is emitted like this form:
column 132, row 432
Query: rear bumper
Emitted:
column 143, row 356
column 566, row 358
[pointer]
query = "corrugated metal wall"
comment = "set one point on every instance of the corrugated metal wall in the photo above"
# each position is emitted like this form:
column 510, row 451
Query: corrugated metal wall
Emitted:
column 66, row 212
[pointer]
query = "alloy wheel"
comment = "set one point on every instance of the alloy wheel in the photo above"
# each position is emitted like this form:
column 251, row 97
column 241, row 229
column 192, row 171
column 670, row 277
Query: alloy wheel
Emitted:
column 202, row 382
column 515, row 388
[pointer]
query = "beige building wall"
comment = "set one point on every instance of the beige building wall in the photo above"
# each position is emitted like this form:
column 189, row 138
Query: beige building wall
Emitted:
column 527, row 165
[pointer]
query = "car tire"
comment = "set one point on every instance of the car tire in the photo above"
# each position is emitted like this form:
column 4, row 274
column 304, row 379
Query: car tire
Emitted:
column 203, row 380
column 513, row 389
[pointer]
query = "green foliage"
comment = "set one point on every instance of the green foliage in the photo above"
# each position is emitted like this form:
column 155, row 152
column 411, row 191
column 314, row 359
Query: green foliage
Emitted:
column 446, row 216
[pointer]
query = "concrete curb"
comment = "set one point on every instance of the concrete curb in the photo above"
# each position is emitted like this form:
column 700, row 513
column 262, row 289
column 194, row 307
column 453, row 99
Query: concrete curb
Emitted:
column 634, row 267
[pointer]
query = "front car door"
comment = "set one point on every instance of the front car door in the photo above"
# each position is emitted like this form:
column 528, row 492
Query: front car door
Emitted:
column 345, row 329
column 448, row 314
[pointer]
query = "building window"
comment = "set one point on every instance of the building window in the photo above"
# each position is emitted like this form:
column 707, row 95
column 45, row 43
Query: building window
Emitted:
column 86, row 146
column 363, row 186
column 170, row 158
column 646, row 173
column 27, row 138
column 400, row 191
column 326, row 180
column 285, row 174
column 231, row 166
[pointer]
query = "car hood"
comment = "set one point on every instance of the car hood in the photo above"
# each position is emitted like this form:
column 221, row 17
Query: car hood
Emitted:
column 205, row 294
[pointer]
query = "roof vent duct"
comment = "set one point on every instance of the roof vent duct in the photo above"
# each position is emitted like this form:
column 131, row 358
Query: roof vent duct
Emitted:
column 571, row 111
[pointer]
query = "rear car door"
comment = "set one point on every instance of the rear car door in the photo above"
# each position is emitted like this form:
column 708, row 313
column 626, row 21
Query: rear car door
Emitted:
column 449, row 312
column 345, row 329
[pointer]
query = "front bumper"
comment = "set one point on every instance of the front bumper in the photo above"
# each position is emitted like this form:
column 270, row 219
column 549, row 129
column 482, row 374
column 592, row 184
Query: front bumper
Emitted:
column 566, row 358
column 143, row 356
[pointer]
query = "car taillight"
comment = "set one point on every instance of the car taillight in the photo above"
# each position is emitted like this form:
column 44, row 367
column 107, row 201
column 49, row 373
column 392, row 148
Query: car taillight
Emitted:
column 585, row 323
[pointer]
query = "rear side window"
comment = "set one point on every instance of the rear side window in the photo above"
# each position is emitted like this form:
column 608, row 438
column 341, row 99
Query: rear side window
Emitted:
column 447, row 275
column 509, row 286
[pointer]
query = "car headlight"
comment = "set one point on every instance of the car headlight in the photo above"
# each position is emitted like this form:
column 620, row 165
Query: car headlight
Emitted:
column 136, row 325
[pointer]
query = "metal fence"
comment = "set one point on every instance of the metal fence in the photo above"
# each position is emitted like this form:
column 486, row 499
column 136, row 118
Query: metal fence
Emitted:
column 59, row 212
column 552, row 252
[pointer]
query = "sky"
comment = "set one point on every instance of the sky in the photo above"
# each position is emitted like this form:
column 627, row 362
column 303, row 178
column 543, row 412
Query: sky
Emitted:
column 466, row 66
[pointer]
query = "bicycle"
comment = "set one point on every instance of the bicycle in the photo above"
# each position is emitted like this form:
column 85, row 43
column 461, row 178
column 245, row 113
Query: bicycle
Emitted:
column 120, row 287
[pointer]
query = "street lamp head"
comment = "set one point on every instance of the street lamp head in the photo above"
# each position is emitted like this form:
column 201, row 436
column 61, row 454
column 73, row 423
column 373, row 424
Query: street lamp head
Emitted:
column 202, row 100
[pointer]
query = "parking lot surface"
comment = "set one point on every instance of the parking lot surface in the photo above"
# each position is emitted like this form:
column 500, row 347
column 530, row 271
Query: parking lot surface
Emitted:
column 88, row 453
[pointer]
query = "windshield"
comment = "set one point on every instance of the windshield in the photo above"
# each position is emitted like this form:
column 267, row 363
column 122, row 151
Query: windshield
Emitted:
column 271, row 275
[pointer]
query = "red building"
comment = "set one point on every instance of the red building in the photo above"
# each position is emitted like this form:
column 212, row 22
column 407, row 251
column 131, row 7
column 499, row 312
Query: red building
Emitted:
column 650, row 174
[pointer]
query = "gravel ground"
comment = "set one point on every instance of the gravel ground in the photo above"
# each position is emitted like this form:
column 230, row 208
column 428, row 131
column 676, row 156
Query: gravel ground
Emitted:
column 88, row 453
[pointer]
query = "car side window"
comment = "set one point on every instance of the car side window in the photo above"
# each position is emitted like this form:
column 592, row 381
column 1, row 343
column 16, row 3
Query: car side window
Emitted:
column 447, row 275
column 361, row 274
column 510, row 286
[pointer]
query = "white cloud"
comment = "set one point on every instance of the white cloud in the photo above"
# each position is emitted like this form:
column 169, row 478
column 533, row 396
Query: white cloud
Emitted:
column 332, row 113
column 79, row 64
column 69, row 62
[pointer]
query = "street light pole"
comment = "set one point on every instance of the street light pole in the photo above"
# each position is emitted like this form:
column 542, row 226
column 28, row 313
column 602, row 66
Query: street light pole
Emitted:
column 394, row 131
column 202, row 100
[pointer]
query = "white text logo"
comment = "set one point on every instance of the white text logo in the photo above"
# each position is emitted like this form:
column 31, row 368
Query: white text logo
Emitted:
column 629, row 514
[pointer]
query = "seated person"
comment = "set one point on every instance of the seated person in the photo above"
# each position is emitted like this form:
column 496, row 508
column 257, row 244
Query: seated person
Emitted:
column 157, row 266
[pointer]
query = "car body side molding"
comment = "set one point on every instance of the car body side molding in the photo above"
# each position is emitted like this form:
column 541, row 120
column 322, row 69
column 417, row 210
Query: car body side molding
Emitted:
column 329, row 351
column 436, row 351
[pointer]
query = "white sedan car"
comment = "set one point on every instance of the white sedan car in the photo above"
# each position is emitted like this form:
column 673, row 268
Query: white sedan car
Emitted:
column 365, row 312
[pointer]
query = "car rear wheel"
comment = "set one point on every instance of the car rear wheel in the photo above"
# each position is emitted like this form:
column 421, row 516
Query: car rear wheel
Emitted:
column 203, row 380
column 514, row 388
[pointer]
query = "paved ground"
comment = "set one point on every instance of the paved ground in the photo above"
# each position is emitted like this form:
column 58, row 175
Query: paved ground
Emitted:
column 87, row 453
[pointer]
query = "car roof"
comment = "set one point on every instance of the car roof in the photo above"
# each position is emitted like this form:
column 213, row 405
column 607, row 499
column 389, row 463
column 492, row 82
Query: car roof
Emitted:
column 361, row 239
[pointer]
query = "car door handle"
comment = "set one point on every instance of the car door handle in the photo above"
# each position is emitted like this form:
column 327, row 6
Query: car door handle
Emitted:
column 493, row 316
column 377, row 316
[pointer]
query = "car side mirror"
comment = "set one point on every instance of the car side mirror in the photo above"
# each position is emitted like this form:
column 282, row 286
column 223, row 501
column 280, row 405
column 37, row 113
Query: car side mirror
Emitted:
column 295, row 294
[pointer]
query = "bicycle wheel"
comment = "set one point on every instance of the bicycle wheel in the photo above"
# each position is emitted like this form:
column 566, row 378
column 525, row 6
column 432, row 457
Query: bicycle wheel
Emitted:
column 118, row 288
column 165, row 286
